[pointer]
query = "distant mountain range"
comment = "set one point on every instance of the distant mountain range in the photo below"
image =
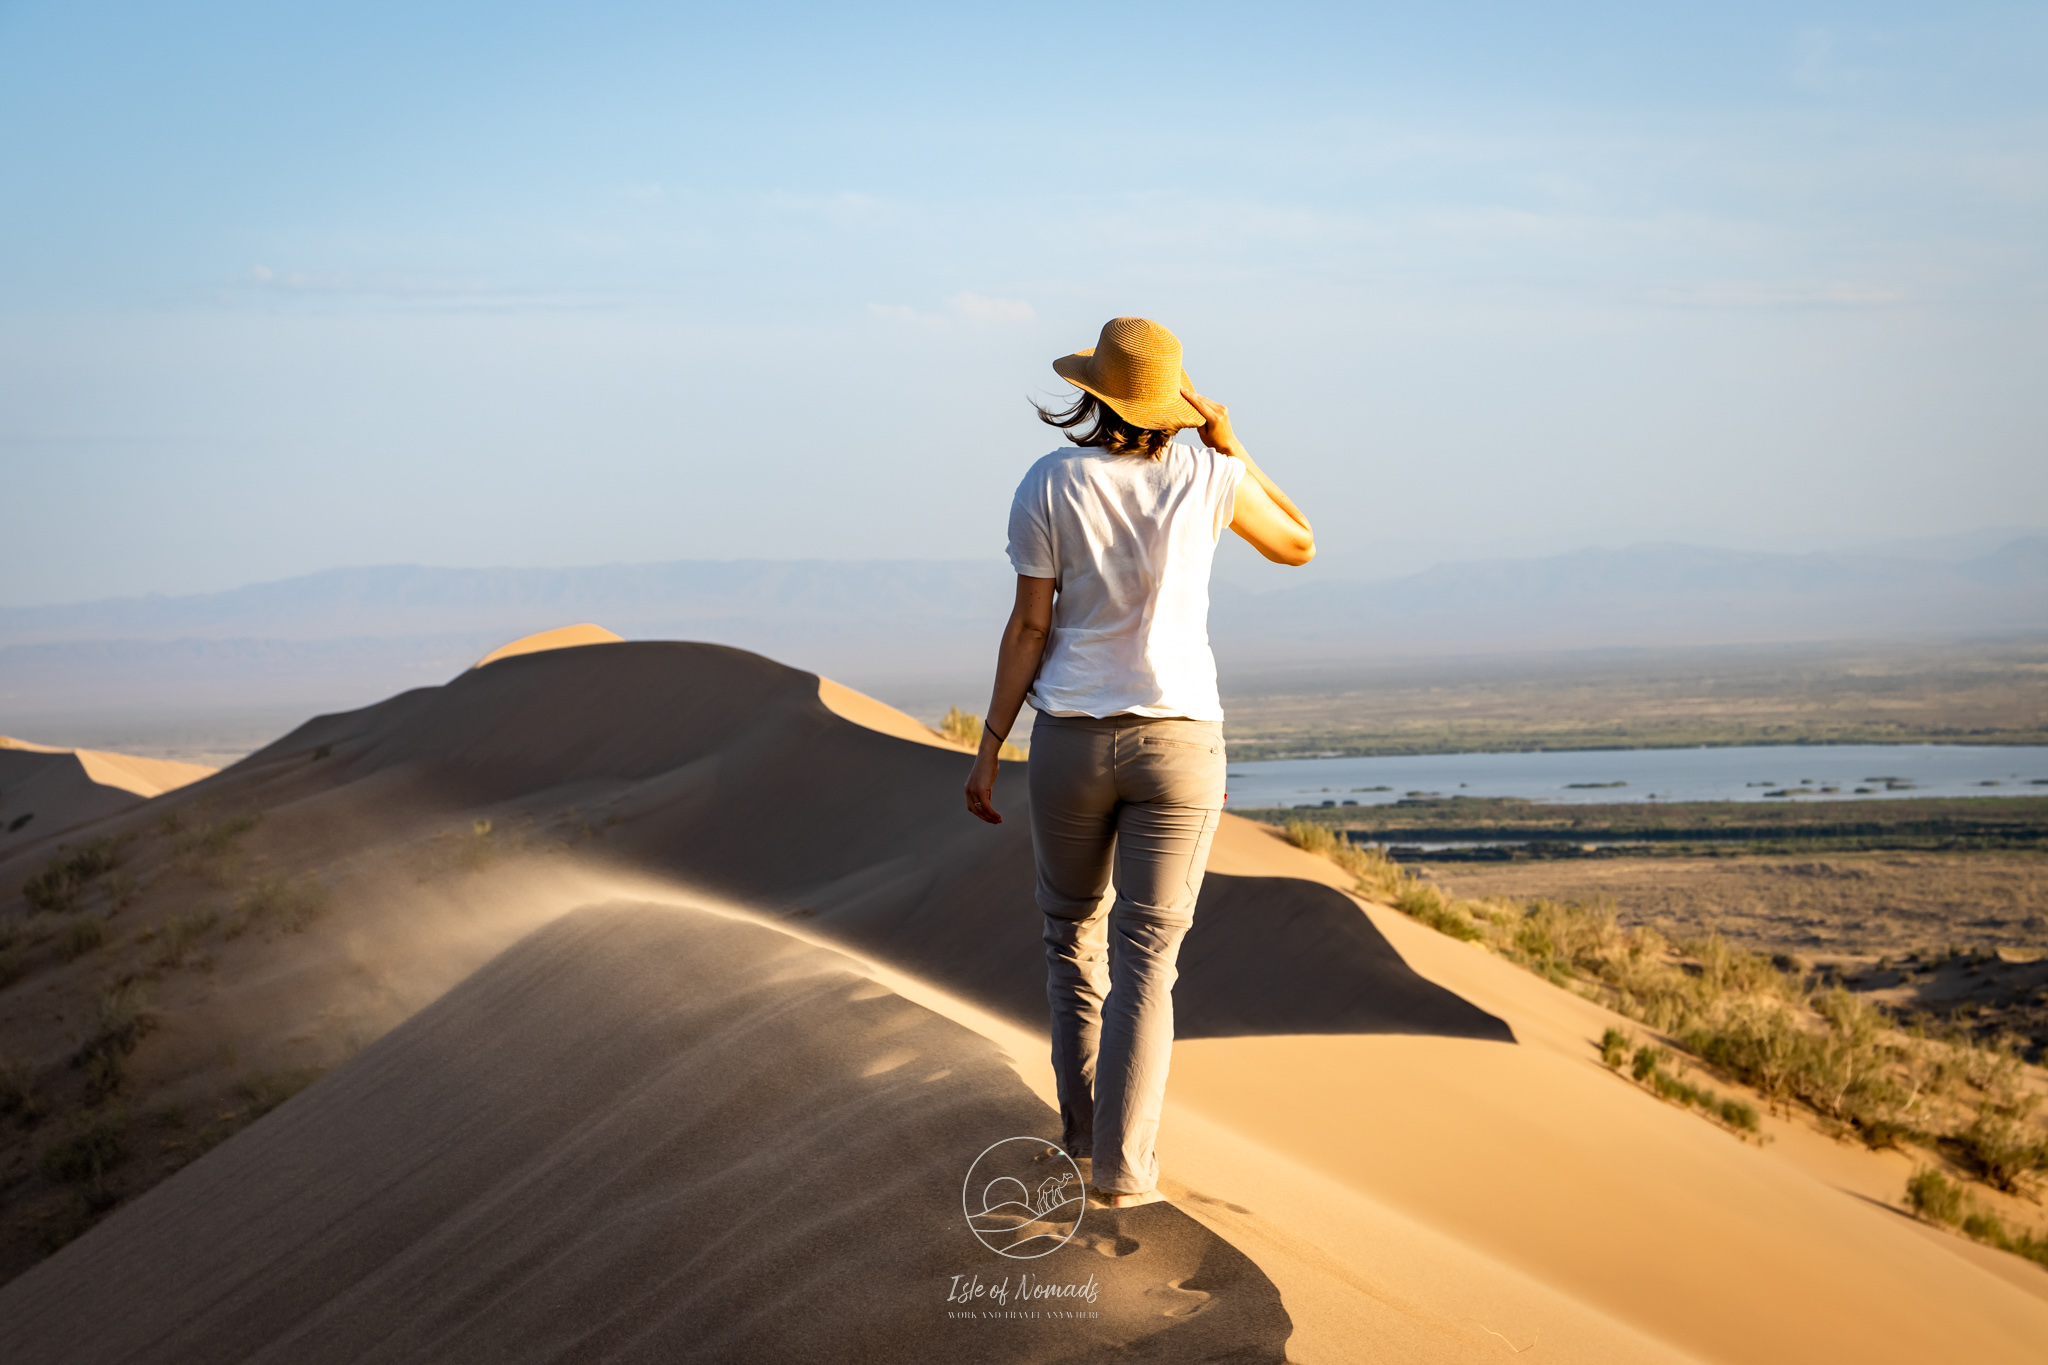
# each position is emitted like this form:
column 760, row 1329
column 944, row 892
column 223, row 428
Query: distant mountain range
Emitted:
column 1645, row 595
column 346, row 636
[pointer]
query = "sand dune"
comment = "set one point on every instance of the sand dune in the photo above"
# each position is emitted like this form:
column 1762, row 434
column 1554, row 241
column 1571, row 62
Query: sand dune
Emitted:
column 1380, row 1144
column 643, row 1133
column 46, row 791
column 563, row 637
column 864, row 710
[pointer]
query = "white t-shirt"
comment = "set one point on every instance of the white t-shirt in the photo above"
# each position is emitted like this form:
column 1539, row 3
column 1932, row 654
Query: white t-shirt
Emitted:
column 1129, row 541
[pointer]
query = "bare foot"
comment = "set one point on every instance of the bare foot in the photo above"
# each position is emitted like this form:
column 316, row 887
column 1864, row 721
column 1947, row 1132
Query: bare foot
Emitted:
column 1110, row 1199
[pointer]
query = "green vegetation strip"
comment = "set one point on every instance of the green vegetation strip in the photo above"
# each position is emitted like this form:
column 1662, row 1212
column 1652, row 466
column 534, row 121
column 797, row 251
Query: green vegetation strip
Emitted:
column 1968, row 822
column 1248, row 746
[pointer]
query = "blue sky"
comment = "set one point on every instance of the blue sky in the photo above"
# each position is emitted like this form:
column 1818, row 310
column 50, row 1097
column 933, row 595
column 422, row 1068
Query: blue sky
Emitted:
column 284, row 287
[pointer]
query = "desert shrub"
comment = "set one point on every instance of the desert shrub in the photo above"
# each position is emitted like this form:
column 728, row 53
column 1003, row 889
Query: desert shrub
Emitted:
column 2032, row 1245
column 1432, row 907
column 1568, row 938
column 964, row 727
column 80, row 938
column 1311, row 838
column 265, row 1092
column 1647, row 1069
column 1379, row 876
column 88, row 1153
column 1759, row 1043
column 479, row 848
column 120, row 1021
column 180, row 934
column 1738, row 1114
column 290, row 905
column 2002, row 1146
column 58, row 887
column 1934, row 1197
column 19, row 1098
column 212, row 852
column 1847, row 1069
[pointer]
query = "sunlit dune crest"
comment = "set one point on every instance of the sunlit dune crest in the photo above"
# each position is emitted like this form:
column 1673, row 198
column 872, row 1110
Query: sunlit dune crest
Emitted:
column 862, row 709
column 562, row 637
column 46, row 790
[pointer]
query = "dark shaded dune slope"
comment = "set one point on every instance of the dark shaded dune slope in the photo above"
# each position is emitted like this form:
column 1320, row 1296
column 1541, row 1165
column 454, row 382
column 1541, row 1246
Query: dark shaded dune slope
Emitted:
column 640, row 1134
column 724, row 769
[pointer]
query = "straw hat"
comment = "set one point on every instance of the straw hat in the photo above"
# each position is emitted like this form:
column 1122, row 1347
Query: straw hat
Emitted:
column 1135, row 368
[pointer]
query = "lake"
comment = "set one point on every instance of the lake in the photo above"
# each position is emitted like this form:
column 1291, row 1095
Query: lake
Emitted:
column 1845, row 772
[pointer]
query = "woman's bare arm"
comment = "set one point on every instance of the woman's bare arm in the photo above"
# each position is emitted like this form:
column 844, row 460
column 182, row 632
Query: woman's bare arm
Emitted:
column 1016, row 669
column 1264, row 515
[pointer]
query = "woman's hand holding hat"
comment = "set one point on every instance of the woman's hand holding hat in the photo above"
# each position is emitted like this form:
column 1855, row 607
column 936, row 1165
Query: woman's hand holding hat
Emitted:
column 1215, row 428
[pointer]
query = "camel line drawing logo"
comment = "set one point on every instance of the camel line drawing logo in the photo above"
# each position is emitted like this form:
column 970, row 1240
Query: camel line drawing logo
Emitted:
column 1023, row 1198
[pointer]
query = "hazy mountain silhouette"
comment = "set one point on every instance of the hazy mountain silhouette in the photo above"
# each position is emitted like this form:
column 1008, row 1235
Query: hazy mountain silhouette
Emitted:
column 348, row 635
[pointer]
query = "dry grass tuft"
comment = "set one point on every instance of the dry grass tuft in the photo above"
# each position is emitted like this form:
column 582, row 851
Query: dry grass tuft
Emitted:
column 180, row 935
column 20, row 1098
column 964, row 727
column 1937, row 1199
column 59, row 887
column 80, row 938
column 121, row 1019
column 212, row 853
column 281, row 902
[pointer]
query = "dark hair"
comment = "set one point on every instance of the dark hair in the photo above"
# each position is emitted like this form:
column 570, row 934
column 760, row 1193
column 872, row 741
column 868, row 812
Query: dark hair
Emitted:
column 1106, row 430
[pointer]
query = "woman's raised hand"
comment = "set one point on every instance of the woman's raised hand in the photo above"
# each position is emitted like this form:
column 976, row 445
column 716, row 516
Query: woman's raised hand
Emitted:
column 1215, row 428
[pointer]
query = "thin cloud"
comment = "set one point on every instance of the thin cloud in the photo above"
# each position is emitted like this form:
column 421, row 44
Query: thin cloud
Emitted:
column 1755, row 295
column 963, row 305
column 981, row 306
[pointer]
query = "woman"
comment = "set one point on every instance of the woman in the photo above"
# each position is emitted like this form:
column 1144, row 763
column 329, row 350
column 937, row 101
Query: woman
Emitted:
column 1112, row 538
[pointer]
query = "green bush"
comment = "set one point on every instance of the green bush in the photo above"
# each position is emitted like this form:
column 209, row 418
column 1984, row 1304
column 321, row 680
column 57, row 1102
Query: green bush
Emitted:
column 1934, row 1197
column 1739, row 1114
column 58, row 887
column 1614, row 1048
column 19, row 1098
column 964, row 728
column 121, row 1019
column 1432, row 907
column 290, row 905
column 2002, row 1146
column 265, row 1092
column 212, row 852
column 1647, row 1068
column 80, row 938
column 89, row 1153
column 180, row 934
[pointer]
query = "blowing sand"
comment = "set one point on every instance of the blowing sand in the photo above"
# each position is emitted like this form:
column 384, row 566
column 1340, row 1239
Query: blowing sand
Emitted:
column 723, row 1001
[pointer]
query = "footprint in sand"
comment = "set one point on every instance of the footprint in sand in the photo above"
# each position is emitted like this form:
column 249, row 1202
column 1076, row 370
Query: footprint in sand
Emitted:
column 1176, row 1302
column 1110, row 1246
column 1201, row 1198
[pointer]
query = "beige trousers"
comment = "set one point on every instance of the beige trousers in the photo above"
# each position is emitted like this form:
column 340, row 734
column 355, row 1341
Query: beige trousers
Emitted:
column 1133, row 801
